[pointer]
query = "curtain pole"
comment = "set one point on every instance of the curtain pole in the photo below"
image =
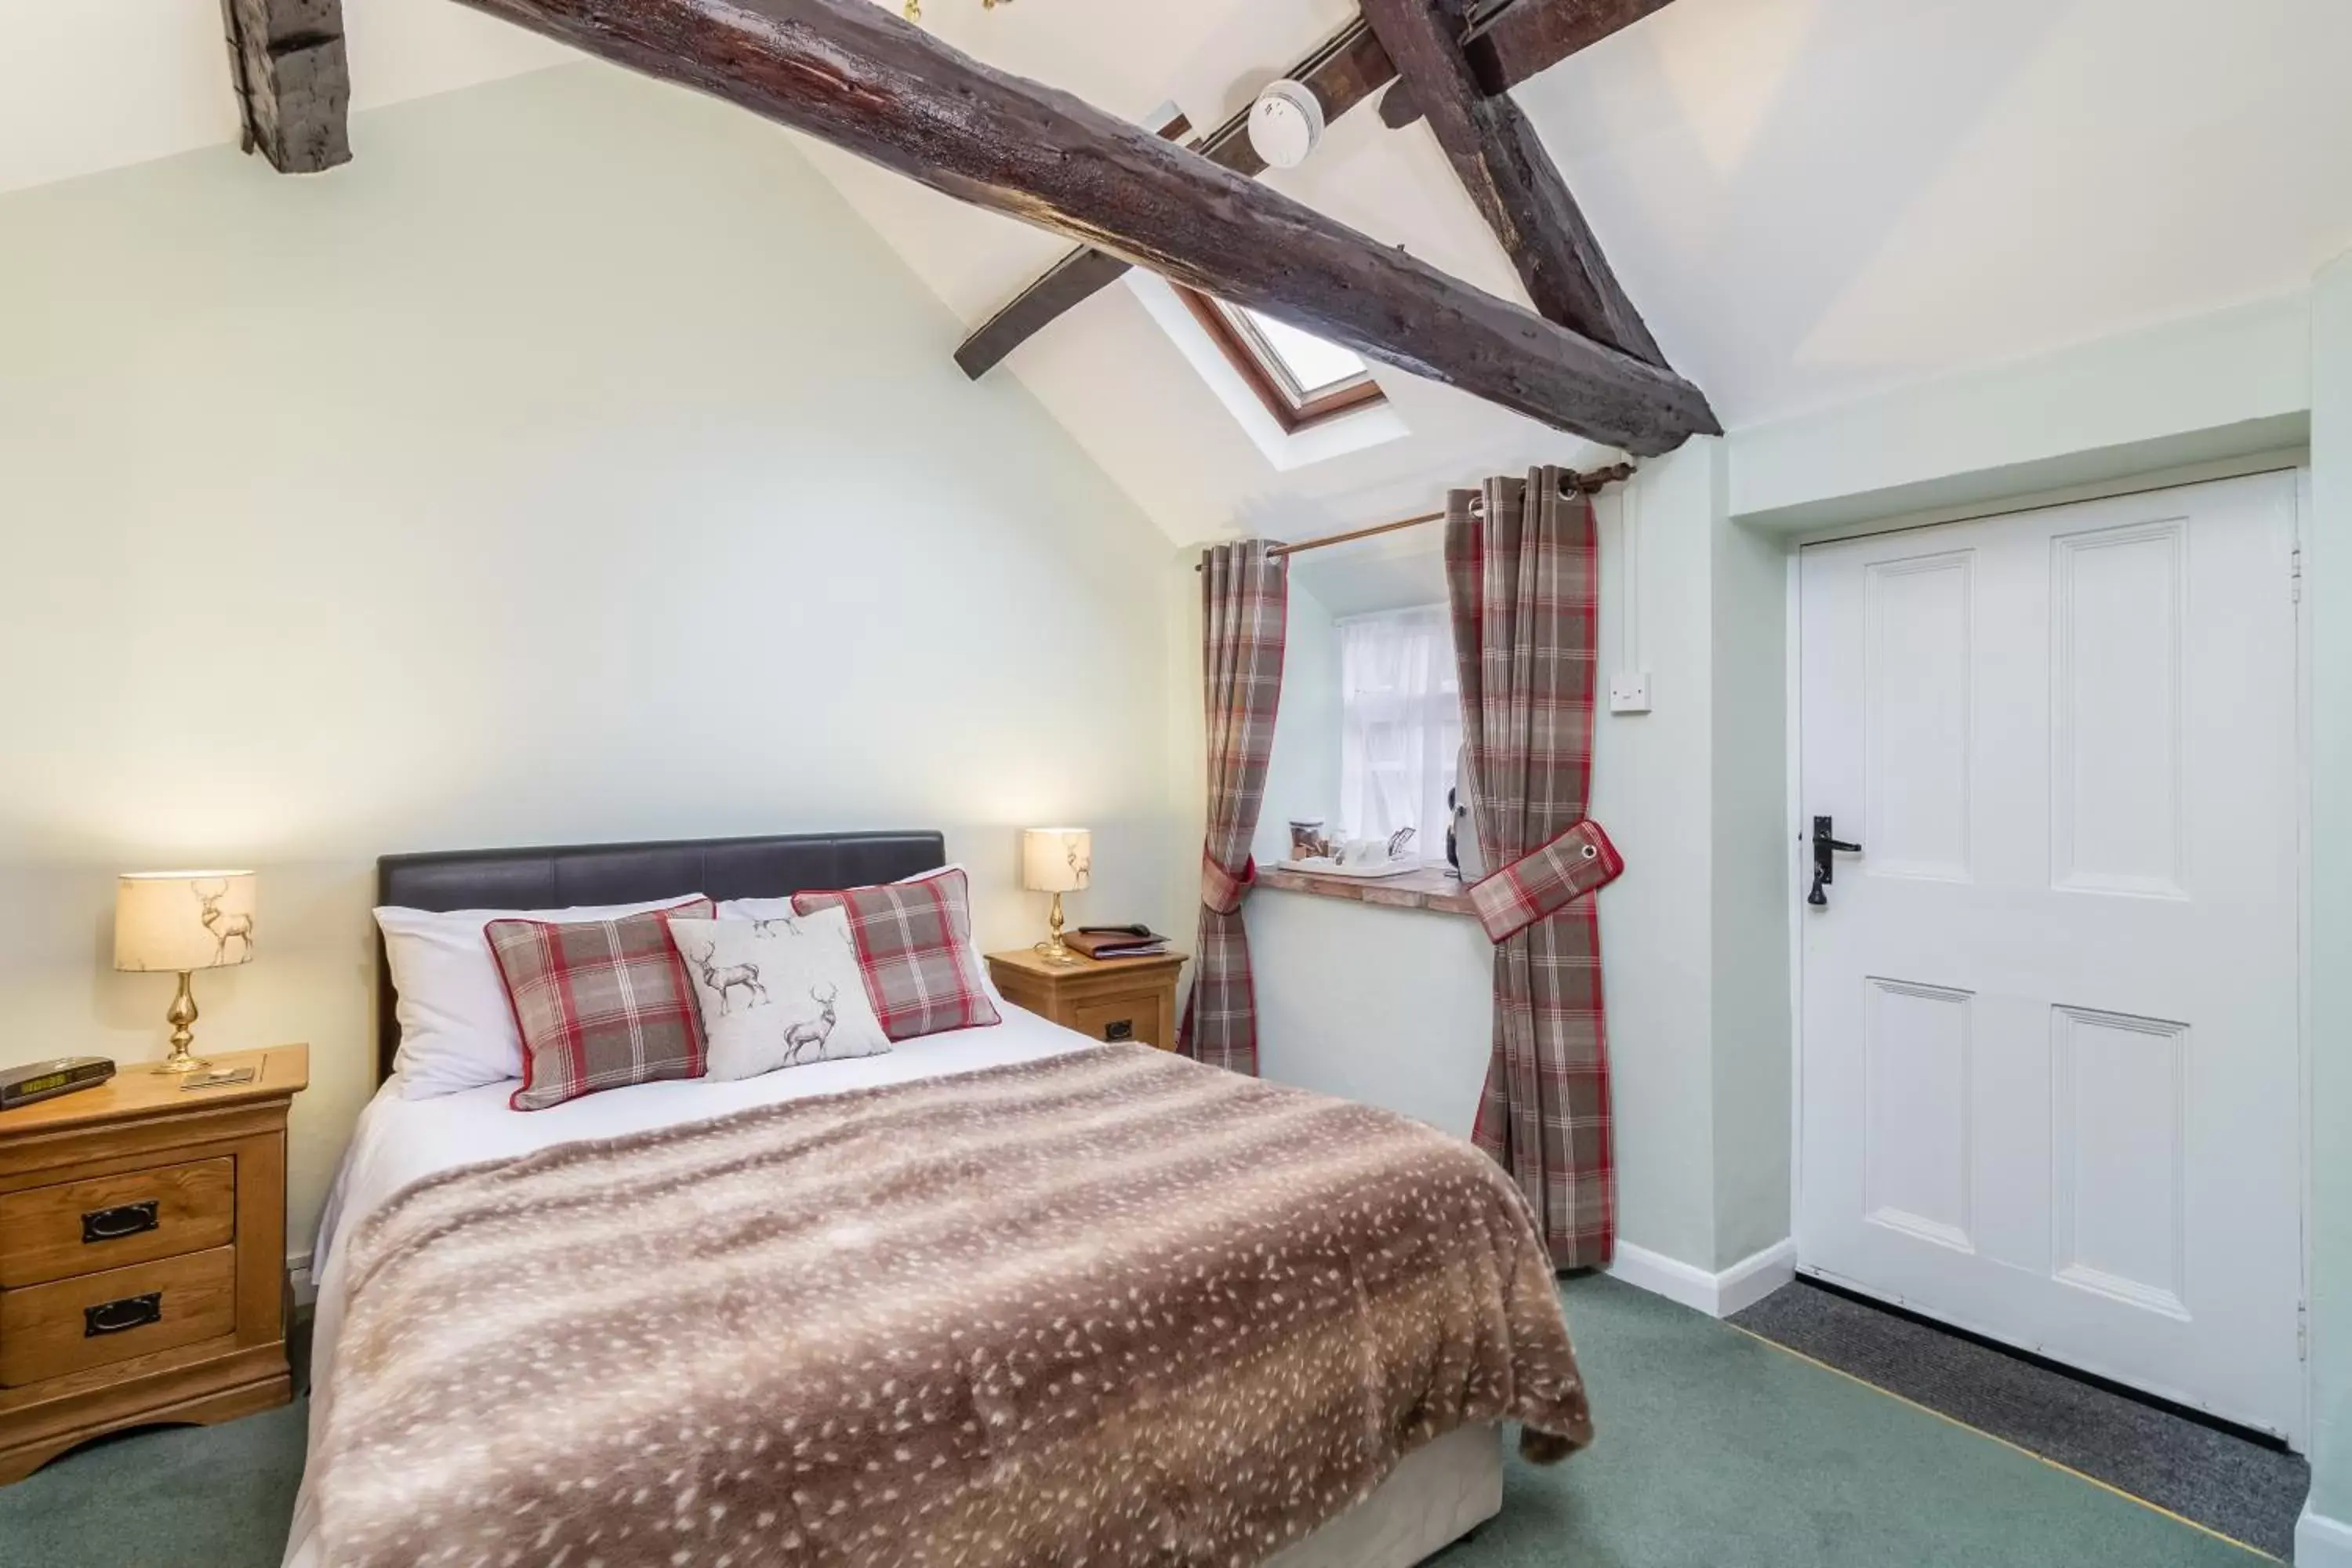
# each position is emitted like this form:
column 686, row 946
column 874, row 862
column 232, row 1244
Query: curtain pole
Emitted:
column 1585, row 484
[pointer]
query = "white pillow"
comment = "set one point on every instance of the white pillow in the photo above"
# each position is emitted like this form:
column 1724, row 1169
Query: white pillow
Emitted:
column 457, row 1026
column 778, row 908
column 778, row 993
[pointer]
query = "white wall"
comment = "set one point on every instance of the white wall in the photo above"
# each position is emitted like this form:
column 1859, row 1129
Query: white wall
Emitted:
column 1389, row 1006
column 2188, row 391
column 2327, row 598
column 1652, row 783
column 573, row 466
column 1750, row 894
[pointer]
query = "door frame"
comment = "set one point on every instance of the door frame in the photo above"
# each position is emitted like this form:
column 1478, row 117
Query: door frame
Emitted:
column 2295, row 462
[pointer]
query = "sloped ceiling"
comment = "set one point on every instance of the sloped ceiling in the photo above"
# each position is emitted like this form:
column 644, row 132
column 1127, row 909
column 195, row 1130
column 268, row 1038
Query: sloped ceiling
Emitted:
column 86, row 85
column 1811, row 200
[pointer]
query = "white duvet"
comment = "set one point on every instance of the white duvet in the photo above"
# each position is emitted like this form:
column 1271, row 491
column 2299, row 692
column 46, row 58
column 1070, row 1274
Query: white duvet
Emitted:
column 399, row 1142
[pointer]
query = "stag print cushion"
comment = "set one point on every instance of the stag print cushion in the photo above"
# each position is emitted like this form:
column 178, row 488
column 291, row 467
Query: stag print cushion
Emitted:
column 914, row 946
column 778, row 993
column 769, row 908
column 600, row 1005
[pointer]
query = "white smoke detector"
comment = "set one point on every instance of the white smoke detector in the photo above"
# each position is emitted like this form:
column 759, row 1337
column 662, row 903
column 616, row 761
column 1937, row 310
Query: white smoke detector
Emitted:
column 1285, row 124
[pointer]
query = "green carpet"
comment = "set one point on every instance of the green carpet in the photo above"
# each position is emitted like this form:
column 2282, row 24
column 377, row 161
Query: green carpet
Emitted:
column 1716, row 1451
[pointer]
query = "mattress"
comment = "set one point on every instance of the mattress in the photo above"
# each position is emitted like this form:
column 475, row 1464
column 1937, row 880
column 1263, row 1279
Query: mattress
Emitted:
column 1435, row 1496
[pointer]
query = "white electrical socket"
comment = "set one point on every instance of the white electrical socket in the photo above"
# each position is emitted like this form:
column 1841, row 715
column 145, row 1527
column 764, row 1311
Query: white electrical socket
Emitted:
column 1630, row 693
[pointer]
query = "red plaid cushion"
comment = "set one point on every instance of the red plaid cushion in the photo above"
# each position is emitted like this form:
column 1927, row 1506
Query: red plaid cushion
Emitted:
column 914, row 947
column 600, row 1005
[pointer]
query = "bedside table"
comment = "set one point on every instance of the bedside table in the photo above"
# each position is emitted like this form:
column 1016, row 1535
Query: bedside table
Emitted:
column 1110, row 998
column 142, row 1256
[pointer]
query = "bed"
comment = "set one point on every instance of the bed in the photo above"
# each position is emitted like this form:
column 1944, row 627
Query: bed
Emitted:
column 405, row 1154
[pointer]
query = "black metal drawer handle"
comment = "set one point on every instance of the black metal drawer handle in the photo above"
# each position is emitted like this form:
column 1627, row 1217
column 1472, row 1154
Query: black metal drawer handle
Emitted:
column 116, row 1317
column 1120, row 1029
column 114, row 1223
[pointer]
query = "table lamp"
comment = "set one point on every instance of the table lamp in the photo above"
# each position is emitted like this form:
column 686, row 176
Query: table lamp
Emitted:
column 176, row 922
column 1056, row 860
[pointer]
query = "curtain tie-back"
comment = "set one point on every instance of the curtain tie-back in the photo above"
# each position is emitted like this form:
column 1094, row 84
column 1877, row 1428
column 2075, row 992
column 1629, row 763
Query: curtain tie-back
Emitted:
column 1222, row 889
column 1545, row 880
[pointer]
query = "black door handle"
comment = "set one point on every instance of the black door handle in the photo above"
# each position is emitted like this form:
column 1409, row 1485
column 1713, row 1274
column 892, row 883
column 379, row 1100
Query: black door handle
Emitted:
column 1826, row 846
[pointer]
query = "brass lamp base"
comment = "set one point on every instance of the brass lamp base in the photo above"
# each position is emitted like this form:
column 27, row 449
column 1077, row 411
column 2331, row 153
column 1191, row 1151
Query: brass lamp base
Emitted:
column 181, row 1017
column 1054, row 949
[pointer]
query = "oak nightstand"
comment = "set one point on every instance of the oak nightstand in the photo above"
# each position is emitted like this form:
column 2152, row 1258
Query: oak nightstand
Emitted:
column 1110, row 998
column 142, row 1256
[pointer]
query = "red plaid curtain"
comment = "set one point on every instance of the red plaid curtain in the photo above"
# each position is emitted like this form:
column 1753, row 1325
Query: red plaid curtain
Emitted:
column 1523, row 575
column 1244, row 605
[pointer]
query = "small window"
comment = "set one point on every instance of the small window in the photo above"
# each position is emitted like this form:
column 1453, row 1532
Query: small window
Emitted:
column 1302, row 380
column 1399, row 726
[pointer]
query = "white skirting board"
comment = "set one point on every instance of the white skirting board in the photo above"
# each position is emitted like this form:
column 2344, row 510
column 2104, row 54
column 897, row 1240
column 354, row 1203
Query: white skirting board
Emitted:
column 1734, row 1289
column 2321, row 1542
column 297, row 1276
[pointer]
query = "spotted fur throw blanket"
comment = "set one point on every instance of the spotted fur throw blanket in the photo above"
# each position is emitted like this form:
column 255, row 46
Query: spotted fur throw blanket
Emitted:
column 1111, row 1308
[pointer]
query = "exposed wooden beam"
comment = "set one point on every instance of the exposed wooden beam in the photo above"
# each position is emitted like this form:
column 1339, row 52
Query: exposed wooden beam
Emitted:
column 1505, row 44
column 856, row 74
column 1349, row 69
column 1077, row 277
column 293, row 81
column 1511, row 178
column 1520, row 38
column 1526, row 37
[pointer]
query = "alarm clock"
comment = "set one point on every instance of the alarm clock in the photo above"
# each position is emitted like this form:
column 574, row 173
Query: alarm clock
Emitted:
column 37, row 1081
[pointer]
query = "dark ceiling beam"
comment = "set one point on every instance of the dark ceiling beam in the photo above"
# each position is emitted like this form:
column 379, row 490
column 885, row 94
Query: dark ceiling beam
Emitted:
column 855, row 74
column 1077, row 278
column 1521, row 38
column 1511, row 179
column 1506, row 44
column 1348, row 69
column 293, row 81
column 1069, row 283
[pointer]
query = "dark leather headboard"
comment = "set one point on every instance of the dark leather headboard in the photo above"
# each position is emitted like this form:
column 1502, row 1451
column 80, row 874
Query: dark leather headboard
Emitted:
column 562, row 876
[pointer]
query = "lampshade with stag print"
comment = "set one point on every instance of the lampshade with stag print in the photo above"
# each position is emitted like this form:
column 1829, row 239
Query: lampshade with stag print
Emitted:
column 176, row 922
column 1056, row 860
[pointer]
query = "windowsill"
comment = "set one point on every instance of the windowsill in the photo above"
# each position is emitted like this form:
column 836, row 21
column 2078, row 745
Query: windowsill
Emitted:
column 1432, row 888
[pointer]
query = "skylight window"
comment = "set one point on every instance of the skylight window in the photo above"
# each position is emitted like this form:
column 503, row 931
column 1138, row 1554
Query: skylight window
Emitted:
column 1301, row 379
column 1311, row 365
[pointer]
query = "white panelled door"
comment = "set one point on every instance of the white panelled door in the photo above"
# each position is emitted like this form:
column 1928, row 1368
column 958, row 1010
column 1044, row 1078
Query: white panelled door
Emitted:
column 2051, row 1077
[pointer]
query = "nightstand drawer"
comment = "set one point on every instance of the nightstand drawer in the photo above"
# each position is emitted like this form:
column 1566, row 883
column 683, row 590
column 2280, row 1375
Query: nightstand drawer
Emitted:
column 71, row 1325
column 110, row 1221
column 1134, row 1019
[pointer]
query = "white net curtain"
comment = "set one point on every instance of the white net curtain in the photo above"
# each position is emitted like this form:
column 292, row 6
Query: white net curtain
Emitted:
column 1401, row 726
